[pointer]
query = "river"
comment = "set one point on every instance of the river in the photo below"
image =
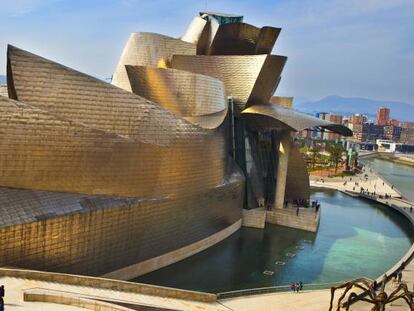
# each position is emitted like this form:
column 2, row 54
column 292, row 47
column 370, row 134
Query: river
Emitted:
column 356, row 238
column 400, row 175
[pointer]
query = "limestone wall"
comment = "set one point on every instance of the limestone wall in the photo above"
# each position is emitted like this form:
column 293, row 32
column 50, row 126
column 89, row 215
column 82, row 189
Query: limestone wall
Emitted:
column 307, row 219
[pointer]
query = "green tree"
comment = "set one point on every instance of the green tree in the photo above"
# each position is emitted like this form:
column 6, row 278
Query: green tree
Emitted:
column 336, row 151
column 314, row 155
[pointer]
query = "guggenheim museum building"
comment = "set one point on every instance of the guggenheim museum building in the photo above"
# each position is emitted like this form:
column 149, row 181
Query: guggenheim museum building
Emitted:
column 120, row 179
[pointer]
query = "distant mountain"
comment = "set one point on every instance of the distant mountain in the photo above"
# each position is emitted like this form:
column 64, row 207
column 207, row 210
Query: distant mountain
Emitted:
column 350, row 105
column 2, row 79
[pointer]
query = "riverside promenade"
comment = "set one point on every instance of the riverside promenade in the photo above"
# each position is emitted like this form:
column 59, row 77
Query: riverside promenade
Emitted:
column 26, row 291
column 319, row 299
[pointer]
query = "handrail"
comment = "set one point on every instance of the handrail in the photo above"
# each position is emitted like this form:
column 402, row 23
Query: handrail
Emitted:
column 273, row 289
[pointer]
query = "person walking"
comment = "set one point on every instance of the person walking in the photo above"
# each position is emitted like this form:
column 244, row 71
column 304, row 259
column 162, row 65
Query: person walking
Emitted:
column 300, row 285
column 399, row 277
column 293, row 287
column 297, row 211
column 297, row 287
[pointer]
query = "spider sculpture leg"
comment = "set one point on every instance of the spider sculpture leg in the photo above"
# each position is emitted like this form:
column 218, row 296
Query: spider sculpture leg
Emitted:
column 354, row 295
column 348, row 286
column 367, row 290
column 406, row 295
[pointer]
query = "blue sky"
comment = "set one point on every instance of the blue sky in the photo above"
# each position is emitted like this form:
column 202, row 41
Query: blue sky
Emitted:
column 344, row 47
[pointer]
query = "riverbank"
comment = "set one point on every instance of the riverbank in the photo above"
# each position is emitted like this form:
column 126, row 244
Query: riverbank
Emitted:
column 319, row 299
column 391, row 157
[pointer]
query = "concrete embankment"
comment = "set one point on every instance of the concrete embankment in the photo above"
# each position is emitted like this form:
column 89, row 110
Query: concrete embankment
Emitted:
column 392, row 157
column 378, row 190
column 319, row 299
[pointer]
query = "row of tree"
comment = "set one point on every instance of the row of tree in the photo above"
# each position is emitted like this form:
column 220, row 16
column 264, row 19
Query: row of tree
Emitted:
column 335, row 151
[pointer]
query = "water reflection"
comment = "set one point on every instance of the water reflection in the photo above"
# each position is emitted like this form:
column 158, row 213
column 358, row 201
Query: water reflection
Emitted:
column 355, row 237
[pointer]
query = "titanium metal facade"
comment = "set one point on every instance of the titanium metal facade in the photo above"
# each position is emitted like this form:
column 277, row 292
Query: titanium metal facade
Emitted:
column 96, row 177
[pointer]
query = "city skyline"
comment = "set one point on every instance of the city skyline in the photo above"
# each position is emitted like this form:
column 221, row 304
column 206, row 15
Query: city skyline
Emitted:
column 330, row 44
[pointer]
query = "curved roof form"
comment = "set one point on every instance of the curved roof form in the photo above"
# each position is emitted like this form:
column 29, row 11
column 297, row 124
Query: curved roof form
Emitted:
column 277, row 117
column 197, row 98
column 286, row 102
column 194, row 30
column 148, row 49
column 297, row 178
column 247, row 79
column 96, row 138
column 70, row 94
column 243, row 39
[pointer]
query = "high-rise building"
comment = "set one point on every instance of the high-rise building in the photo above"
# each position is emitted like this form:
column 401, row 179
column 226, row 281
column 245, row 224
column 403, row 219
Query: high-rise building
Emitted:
column 383, row 116
column 320, row 134
column 371, row 132
column 357, row 119
column 407, row 136
column 392, row 132
column 337, row 119
column 394, row 122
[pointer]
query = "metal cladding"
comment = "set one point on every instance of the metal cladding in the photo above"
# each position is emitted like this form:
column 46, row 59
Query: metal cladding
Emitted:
column 197, row 98
column 194, row 30
column 121, row 178
column 97, row 177
column 277, row 117
column 3, row 91
column 248, row 79
column 148, row 49
column 243, row 39
column 297, row 177
column 286, row 102
column 70, row 94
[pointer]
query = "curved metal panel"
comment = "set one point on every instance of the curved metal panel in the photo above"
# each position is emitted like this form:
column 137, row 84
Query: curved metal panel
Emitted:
column 93, row 235
column 79, row 97
column 248, row 79
column 169, row 150
column 175, row 182
column 194, row 30
column 207, row 36
column 278, row 117
column 243, row 39
column 197, row 98
column 148, row 49
column 49, row 153
column 286, row 102
column 3, row 91
column 297, row 178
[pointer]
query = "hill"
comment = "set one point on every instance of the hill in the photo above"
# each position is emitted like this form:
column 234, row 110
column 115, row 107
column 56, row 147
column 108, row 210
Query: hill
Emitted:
column 350, row 105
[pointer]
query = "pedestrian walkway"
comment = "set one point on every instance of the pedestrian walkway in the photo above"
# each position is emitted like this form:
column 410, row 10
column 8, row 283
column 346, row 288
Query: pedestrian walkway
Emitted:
column 367, row 181
column 375, row 188
column 15, row 288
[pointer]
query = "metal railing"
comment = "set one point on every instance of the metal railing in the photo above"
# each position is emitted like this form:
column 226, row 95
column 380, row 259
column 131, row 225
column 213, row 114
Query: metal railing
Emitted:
column 273, row 289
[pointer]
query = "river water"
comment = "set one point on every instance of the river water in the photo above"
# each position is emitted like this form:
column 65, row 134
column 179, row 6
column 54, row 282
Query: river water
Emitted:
column 400, row 175
column 356, row 238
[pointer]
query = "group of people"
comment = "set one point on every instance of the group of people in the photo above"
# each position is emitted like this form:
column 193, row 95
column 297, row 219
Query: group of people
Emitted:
column 2, row 298
column 296, row 287
column 398, row 277
column 315, row 204
column 301, row 202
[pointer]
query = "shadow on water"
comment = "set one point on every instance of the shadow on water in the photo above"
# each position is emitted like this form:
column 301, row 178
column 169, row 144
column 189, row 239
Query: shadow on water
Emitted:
column 355, row 237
